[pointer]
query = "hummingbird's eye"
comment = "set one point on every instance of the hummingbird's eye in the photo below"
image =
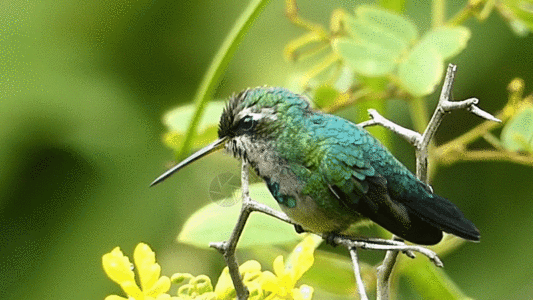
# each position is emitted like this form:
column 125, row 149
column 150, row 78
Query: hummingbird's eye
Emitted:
column 247, row 123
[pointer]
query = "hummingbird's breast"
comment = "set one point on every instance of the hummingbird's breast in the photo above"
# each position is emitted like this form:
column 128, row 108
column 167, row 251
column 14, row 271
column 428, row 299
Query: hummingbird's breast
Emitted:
column 300, row 192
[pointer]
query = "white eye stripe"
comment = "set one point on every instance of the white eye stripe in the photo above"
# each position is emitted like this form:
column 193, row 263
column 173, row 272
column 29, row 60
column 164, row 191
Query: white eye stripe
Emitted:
column 256, row 117
column 268, row 113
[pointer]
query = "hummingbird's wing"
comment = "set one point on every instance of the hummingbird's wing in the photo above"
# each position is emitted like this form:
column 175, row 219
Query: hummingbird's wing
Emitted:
column 397, row 201
column 370, row 198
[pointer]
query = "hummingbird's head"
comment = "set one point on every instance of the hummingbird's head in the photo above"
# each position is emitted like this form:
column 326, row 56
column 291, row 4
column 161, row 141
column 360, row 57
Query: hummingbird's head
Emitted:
column 254, row 118
column 251, row 122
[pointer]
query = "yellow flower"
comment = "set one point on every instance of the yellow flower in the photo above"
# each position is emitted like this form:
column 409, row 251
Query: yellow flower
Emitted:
column 250, row 273
column 119, row 269
column 282, row 285
column 266, row 285
column 199, row 287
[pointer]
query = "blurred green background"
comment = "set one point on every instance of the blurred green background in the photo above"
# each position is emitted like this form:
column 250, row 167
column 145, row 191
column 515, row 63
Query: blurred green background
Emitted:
column 84, row 85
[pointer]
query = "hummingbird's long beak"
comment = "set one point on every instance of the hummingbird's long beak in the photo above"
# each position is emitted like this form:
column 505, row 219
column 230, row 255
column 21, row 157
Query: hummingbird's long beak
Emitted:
column 214, row 146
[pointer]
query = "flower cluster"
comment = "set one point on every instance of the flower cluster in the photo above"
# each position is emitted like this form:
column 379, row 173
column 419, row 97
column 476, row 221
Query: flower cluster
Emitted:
column 261, row 284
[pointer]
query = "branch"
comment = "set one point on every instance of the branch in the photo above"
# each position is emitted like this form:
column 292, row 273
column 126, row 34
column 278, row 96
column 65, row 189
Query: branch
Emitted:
column 444, row 106
column 421, row 143
column 227, row 248
column 357, row 272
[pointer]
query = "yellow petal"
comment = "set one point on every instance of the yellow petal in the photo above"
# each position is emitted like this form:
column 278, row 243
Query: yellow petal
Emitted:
column 147, row 268
column 224, row 287
column 250, row 266
column 161, row 286
column 279, row 267
column 254, row 288
column 131, row 289
column 269, row 282
column 117, row 266
column 163, row 297
column 301, row 259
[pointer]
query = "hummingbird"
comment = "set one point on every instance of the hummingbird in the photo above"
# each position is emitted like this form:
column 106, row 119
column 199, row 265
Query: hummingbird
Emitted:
column 327, row 173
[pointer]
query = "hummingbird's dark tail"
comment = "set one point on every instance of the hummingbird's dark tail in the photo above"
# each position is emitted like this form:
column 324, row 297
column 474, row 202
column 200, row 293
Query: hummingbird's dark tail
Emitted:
column 416, row 215
column 441, row 213
column 421, row 220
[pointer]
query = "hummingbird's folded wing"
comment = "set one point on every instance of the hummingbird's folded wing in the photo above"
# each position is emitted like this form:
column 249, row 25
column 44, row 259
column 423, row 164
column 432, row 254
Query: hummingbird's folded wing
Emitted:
column 361, row 189
column 409, row 211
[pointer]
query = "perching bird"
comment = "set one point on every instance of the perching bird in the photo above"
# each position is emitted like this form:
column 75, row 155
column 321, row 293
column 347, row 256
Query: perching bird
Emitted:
column 327, row 173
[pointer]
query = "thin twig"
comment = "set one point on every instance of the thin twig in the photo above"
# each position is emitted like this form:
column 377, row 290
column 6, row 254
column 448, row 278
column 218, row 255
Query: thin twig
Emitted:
column 383, row 275
column 357, row 272
column 228, row 248
column 444, row 106
column 409, row 135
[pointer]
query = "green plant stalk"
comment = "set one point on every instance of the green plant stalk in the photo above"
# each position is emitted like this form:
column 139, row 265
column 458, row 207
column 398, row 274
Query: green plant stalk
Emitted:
column 394, row 5
column 218, row 66
column 438, row 13
column 419, row 114
column 467, row 11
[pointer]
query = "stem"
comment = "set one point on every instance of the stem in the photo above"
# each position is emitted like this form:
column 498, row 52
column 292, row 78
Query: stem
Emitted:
column 438, row 12
column 419, row 113
column 357, row 272
column 218, row 66
column 466, row 12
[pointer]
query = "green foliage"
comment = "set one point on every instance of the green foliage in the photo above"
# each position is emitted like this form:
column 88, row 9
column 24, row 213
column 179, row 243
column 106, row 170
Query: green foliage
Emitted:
column 380, row 42
column 179, row 118
column 200, row 229
column 517, row 135
column 519, row 14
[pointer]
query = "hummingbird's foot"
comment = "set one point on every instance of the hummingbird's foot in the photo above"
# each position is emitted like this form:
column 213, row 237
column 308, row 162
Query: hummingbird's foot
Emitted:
column 330, row 239
column 299, row 229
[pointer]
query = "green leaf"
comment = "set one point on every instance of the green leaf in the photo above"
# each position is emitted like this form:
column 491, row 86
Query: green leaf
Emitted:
column 422, row 70
column 177, row 122
column 448, row 41
column 174, row 139
column 214, row 223
column 345, row 80
column 393, row 23
column 517, row 135
column 178, row 119
column 370, row 33
column 365, row 59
